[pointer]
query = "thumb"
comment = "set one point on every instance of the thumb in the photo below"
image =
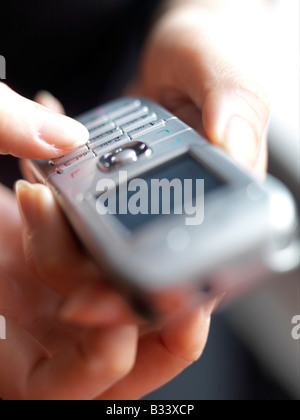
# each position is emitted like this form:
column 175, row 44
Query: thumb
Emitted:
column 236, row 117
column 29, row 130
column 219, row 64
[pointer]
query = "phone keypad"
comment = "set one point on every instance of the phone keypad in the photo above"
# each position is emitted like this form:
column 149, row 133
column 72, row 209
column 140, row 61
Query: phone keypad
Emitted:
column 114, row 125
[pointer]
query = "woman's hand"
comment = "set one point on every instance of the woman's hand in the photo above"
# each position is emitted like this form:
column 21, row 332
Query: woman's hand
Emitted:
column 44, row 355
column 68, row 335
column 205, row 61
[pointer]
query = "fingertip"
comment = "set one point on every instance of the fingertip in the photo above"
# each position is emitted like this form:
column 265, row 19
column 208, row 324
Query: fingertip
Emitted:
column 22, row 186
column 65, row 126
column 61, row 132
column 34, row 200
column 29, row 130
column 24, row 191
column 241, row 142
column 187, row 336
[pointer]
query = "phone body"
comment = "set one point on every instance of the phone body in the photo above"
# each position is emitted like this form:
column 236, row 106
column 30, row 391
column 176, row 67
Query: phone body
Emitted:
column 168, row 216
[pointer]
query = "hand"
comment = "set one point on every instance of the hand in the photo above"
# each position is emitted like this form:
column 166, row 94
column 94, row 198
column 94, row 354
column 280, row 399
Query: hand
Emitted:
column 68, row 335
column 44, row 356
column 204, row 61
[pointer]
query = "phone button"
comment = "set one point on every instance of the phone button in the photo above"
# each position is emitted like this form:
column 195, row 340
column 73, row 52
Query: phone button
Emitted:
column 103, row 138
column 123, row 156
column 139, row 122
column 108, row 144
column 73, row 161
column 115, row 111
column 143, row 112
column 61, row 160
column 101, row 129
column 143, row 129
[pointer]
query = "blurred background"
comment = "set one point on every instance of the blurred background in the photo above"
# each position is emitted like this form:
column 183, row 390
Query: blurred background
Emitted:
column 250, row 354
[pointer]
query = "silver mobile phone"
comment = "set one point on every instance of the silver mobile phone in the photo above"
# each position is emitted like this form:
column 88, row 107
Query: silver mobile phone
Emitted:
column 166, row 214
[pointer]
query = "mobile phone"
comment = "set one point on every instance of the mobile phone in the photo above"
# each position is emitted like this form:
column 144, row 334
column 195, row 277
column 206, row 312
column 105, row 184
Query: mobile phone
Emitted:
column 168, row 216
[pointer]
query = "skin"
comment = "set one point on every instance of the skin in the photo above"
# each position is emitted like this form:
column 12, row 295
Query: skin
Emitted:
column 111, row 353
column 69, row 339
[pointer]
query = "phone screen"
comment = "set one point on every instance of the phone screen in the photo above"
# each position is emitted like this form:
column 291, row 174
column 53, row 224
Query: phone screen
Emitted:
column 175, row 188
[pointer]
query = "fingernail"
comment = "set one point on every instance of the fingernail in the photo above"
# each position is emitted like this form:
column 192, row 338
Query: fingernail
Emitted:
column 27, row 207
column 30, row 205
column 22, row 185
column 61, row 132
column 210, row 306
column 241, row 141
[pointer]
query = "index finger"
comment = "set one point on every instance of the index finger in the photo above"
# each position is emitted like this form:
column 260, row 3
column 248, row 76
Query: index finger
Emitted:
column 29, row 130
